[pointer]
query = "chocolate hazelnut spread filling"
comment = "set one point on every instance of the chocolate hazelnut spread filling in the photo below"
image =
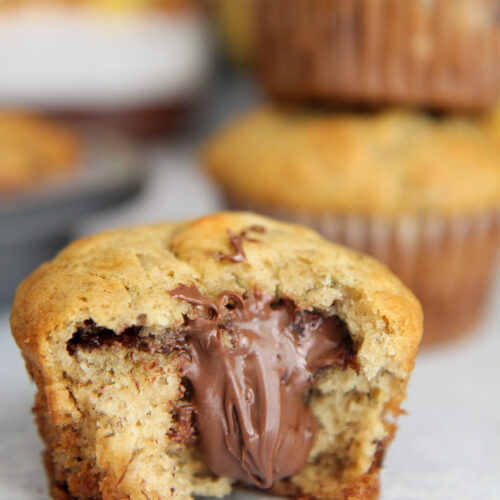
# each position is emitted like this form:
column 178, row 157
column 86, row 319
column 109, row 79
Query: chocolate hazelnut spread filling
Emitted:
column 250, row 361
column 90, row 336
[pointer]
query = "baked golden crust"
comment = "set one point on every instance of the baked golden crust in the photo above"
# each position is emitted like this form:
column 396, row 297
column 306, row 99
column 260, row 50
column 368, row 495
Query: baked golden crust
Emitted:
column 388, row 163
column 33, row 151
column 122, row 278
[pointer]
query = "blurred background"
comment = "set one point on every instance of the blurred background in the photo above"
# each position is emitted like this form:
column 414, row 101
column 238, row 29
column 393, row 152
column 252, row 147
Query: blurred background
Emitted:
column 104, row 105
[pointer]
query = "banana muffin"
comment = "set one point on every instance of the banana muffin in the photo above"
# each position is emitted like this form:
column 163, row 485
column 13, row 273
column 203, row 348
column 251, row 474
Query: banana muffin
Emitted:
column 442, row 54
column 34, row 152
column 179, row 359
column 419, row 192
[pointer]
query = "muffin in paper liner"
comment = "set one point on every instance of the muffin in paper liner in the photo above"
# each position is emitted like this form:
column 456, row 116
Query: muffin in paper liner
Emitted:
column 449, row 263
column 418, row 192
column 443, row 54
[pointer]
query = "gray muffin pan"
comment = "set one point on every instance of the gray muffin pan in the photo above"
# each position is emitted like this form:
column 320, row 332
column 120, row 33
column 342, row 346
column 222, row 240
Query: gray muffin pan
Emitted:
column 35, row 225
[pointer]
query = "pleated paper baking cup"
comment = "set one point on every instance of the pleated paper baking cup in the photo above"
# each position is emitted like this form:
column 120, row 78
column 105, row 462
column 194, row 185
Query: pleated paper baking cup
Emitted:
column 437, row 53
column 449, row 263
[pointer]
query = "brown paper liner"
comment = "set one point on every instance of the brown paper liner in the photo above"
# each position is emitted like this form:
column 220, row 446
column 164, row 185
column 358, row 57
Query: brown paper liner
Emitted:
column 449, row 263
column 436, row 53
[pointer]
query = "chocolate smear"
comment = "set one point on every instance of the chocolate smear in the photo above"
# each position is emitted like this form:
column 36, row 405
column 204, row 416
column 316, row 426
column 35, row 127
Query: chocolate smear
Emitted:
column 237, row 243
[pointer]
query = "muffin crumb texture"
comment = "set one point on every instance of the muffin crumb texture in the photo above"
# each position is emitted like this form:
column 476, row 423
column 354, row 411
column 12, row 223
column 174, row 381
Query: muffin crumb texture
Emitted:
column 104, row 328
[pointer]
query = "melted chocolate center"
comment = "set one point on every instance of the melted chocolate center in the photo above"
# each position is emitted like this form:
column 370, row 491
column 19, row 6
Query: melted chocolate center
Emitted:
column 247, row 362
column 250, row 362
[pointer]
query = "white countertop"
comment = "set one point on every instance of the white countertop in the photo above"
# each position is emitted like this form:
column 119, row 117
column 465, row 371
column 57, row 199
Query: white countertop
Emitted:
column 448, row 447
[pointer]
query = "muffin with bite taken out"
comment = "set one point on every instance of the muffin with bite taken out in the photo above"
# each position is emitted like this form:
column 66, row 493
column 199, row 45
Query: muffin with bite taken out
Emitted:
column 179, row 359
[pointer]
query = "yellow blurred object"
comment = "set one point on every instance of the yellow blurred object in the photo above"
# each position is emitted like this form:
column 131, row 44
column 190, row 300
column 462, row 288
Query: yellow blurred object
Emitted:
column 136, row 5
column 33, row 151
column 236, row 28
column 113, row 6
column 492, row 123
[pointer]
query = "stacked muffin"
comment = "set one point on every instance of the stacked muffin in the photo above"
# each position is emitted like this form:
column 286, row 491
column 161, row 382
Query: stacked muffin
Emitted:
column 434, row 53
column 417, row 188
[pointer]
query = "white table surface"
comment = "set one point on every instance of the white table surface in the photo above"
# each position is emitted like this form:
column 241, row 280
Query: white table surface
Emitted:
column 447, row 448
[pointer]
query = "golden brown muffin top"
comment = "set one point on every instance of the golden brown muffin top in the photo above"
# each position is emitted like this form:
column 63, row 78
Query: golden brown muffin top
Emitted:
column 385, row 163
column 33, row 151
column 123, row 277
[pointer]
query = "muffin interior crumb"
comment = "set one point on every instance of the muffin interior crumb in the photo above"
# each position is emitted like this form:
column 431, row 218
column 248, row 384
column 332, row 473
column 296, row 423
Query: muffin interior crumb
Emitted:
column 134, row 417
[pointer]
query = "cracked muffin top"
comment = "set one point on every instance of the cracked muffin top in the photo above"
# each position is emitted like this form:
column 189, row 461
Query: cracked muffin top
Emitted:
column 388, row 163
